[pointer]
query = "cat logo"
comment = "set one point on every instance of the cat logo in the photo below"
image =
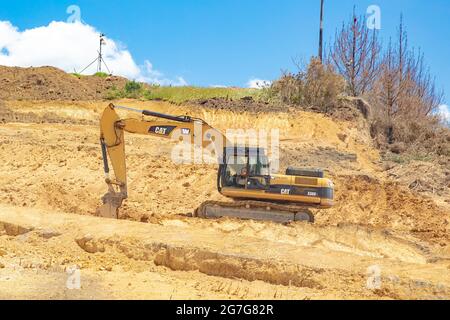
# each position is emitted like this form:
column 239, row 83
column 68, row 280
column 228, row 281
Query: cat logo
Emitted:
column 286, row 191
column 162, row 130
column 185, row 131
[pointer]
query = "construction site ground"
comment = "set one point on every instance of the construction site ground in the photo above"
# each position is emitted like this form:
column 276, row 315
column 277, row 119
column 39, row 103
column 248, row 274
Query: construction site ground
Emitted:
column 52, row 182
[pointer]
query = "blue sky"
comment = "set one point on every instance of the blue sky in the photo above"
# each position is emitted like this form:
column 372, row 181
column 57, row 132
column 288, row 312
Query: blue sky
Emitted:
column 229, row 42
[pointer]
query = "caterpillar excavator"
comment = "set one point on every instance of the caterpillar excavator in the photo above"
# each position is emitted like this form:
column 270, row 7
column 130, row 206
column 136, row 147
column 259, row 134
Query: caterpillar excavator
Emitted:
column 243, row 173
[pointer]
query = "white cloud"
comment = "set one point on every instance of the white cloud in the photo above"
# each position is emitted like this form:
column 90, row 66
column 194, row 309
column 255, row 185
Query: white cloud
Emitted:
column 444, row 112
column 150, row 75
column 72, row 46
column 259, row 83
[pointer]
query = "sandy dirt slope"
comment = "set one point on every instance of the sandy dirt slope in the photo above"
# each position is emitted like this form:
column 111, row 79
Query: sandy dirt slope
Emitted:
column 50, row 164
column 301, row 268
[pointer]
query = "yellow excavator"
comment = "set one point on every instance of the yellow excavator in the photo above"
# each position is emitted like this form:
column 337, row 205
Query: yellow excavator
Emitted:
column 243, row 173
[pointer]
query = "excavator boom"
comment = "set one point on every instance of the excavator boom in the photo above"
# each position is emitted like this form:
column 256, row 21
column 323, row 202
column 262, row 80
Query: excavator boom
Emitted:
column 177, row 128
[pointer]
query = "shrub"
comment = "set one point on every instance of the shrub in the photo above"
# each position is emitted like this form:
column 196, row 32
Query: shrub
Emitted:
column 318, row 87
column 132, row 90
column 132, row 87
column 114, row 94
column 418, row 136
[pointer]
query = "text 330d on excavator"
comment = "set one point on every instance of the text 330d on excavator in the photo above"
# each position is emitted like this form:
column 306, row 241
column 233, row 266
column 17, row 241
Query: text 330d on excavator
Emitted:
column 243, row 173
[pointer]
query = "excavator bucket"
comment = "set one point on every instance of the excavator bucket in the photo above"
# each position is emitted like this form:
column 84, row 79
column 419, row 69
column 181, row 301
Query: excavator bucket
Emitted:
column 112, row 201
column 108, row 210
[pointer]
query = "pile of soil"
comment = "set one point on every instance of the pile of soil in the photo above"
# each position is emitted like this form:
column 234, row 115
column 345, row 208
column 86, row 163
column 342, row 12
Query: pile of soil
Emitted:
column 49, row 83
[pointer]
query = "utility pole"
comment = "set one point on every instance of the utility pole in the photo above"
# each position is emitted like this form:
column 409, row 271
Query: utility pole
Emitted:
column 321, row 31
column 100, row 54
column 99, row 58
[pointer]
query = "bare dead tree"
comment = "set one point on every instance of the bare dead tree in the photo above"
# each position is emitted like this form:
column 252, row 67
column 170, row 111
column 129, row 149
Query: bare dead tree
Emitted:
column 420, row 96
column 355, row 54
column 405, row 91
column 387, row 90
column 388, row 82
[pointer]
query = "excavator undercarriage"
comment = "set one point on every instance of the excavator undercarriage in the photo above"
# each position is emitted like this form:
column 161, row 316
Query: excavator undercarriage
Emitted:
column 254, row 210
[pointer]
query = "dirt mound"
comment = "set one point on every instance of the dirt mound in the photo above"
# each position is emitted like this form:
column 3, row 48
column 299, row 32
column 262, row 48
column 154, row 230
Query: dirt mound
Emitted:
column 365, row 200
column 49, row 83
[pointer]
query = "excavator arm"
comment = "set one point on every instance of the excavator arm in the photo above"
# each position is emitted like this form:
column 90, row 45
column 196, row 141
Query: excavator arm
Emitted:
column 176, row 128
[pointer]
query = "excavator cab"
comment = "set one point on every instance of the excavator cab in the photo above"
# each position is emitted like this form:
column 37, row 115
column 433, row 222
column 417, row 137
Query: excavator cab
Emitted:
column 246, row 174
column 244, row 168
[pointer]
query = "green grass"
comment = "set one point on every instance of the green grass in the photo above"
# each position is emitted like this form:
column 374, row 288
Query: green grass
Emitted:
column 101, row 75
column 187, row 94
column 132, row 90
column 179, row 95
column 98, row 74
column 78, row 75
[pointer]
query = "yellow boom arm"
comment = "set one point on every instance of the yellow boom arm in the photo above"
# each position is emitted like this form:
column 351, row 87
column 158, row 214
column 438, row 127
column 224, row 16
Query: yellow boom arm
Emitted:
column 176, row 128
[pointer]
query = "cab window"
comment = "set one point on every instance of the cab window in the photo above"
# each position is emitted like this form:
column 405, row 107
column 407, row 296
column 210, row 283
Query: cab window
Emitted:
column 258, row 166
column 236, row 171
